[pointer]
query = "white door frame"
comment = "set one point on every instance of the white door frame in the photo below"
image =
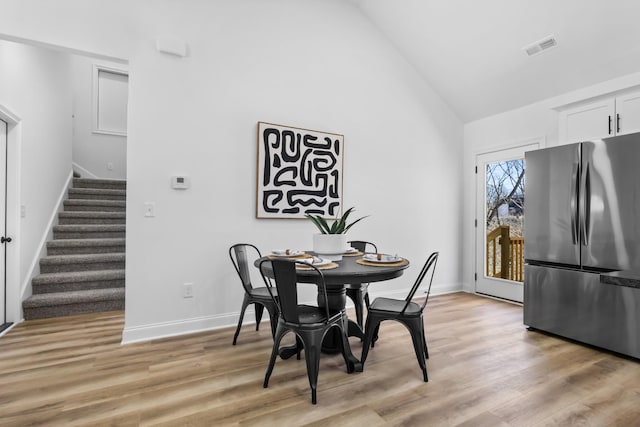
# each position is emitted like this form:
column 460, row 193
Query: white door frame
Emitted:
column 14, row 138
column 496, row 287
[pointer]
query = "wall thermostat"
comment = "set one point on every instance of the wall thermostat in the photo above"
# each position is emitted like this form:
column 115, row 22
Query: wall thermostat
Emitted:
column 180, row 182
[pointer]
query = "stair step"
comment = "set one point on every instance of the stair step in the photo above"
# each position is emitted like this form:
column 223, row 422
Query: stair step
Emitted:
column 89, row 231
column 77, row 281
column 114, row 184
column 73, row 302
column 91, row 217
column 97, row 194
column 85, row 246
column 95, row 205
column 82, row 262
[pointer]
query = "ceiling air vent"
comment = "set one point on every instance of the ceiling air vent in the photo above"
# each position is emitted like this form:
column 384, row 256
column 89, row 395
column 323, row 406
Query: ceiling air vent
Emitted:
column 540, row 46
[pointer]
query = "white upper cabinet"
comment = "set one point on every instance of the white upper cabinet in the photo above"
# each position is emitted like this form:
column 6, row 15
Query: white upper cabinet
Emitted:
column 628, row 113
column 605, row 117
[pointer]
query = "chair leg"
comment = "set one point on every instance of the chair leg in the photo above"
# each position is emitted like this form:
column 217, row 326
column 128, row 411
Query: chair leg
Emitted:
column 312, row 344
column 344, row 327
column 280, row 332
column 374, row 336
column 424, row 339
column 417, row 336
column 245, row 303
column 259, row 309
column 273, row 318
column 299, row 346
column 372, row 325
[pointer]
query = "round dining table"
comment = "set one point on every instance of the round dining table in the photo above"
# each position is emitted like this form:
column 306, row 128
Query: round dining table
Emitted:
column 351, row 270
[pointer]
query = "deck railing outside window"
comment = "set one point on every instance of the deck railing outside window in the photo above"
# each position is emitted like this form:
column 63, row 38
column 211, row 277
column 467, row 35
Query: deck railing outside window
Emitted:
column 503, row 250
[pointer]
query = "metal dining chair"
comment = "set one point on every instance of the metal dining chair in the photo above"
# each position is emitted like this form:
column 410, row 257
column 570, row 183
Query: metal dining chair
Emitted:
column 259, row 296
column 310, row 323
column 359, row 294
column 407, row 312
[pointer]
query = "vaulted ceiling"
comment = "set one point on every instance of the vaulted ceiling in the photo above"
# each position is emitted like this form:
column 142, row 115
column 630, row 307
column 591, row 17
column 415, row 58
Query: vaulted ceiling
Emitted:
column 471, row 51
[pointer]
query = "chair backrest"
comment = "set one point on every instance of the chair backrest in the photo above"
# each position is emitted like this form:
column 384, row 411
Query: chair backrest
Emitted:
column 285, row 277
column 239, row 254
column 430, row 265
column 361, row 245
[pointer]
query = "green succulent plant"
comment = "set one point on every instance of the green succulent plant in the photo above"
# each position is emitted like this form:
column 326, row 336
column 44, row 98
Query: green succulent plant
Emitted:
column 339, row 226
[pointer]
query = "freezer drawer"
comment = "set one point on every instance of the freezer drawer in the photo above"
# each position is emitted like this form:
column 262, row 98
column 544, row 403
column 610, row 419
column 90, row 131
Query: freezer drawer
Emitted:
column 574, row 304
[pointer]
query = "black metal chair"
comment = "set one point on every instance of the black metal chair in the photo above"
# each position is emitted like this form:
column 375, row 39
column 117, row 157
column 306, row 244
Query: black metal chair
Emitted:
column 407, row 312
column 309, row 323
column 259, row 296
column 359, row 294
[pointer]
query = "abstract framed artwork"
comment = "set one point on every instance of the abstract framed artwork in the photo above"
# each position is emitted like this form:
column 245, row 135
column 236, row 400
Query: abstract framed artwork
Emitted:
column 299, row 172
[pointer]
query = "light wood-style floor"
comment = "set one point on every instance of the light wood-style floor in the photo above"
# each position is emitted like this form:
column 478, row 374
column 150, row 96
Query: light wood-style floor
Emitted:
column 485, row 369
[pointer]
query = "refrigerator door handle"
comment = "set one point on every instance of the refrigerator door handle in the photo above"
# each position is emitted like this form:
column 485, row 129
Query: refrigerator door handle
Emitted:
column 585, row 196
column 575, row 182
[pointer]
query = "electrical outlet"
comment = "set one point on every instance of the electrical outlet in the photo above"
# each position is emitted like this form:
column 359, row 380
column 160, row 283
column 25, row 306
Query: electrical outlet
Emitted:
column 149, row 209
column 187, row 290
column 110, row 166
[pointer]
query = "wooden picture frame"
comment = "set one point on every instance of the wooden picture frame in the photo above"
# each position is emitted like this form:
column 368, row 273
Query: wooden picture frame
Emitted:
column 299, row 172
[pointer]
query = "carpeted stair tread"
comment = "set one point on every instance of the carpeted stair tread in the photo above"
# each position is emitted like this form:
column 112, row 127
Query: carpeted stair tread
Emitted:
column 99, row 183
column 85, row 246
column 90, row 227
column 74, row 297
column 94, row 205
column 82, row 231
column 62, row 243
column 96, row 194
column 91, row 217
column 64, row 259
column 78, row 276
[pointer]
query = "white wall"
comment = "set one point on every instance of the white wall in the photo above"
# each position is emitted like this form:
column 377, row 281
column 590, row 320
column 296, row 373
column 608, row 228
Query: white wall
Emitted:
column 93, row 151
column 312, row 64
column 35, row 85
column 511, row 128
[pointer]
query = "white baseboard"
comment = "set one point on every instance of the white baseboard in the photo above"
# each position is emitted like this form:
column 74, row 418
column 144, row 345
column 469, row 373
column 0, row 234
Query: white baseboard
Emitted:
column 143, row 333
column 155, row 331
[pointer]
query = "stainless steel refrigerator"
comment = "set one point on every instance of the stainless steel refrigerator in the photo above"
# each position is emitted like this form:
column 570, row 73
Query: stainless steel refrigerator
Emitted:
column 582, row 204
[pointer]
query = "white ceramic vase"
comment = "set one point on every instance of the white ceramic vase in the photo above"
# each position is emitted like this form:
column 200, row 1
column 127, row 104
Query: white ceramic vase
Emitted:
column 330, row 246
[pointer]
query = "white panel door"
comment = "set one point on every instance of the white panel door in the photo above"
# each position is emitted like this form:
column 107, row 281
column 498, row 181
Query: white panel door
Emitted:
column 500, row 222
column 3, row 222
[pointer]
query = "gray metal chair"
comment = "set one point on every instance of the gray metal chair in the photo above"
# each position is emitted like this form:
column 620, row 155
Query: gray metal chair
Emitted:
column 309, row 323
column 259, row 296
column 407, row 312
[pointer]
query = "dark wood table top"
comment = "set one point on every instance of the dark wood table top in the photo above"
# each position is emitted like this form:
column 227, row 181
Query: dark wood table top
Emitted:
column 349, row 272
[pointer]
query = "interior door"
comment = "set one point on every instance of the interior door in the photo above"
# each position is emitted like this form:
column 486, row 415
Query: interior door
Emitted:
column 500, row 222
column 3, row 224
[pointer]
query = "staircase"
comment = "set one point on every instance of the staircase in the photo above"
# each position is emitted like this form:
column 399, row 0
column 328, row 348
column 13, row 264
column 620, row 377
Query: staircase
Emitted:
column 83, row 271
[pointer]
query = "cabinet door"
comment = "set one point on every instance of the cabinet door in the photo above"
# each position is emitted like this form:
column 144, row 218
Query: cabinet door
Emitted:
column 628, row 113
column 590, row 121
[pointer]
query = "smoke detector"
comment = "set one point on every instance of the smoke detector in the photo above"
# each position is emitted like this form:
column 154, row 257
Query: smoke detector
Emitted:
column 540, row 46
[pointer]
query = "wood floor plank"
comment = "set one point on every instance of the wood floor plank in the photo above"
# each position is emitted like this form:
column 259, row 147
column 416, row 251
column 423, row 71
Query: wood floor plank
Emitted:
column 485, row 369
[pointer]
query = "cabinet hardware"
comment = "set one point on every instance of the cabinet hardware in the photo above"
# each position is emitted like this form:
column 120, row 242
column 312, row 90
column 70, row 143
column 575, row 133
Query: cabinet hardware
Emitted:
column 609, row 125
column 617, row 123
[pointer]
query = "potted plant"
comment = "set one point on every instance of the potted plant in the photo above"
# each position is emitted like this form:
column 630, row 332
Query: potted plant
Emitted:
column 331, row 242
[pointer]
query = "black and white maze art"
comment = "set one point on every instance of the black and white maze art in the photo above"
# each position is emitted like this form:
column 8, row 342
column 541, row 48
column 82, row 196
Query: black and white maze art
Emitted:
column 299, row 172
